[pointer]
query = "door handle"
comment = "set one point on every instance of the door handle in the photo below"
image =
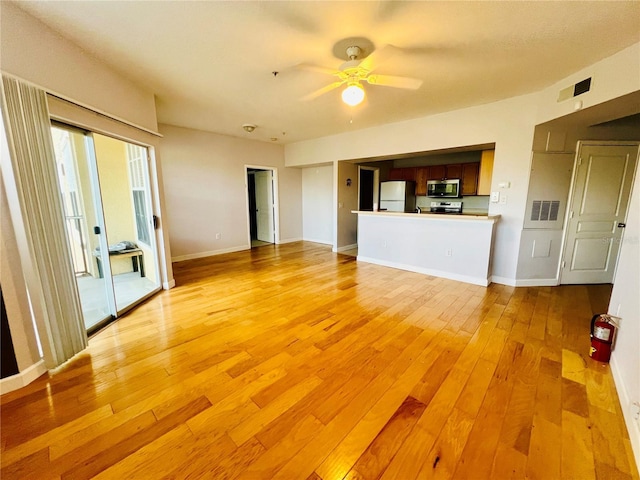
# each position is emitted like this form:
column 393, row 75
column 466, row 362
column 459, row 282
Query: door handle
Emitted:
column 622, row 225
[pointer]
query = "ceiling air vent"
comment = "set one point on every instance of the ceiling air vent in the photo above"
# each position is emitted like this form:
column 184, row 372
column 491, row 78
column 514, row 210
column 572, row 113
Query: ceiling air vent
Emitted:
column 545, row 210
column 574, row 90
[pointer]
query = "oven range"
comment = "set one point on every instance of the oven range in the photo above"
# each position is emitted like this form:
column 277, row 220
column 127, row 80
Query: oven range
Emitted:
column 451, row 208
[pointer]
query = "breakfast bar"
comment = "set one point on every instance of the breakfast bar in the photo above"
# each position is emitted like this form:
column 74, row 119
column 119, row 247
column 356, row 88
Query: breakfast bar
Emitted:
column 457, row 247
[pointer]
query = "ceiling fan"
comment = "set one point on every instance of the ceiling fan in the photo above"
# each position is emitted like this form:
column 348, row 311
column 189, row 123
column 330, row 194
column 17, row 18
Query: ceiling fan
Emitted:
column 354, row 71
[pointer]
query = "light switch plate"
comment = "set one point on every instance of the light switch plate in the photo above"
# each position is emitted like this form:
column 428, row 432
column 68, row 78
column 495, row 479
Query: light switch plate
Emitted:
column 495, row 197
column 503, row 199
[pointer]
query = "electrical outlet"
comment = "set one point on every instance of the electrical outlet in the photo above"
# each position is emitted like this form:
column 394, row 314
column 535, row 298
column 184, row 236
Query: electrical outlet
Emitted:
column 503, row 199
column 217, row 236
column 495, row 197
column 448, row 253
column 635, row 410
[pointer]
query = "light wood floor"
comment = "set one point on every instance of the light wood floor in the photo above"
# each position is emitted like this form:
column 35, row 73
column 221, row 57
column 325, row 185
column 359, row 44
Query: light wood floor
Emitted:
column 292, row 362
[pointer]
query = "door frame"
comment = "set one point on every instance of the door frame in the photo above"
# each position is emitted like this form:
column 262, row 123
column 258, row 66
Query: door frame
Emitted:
column 276, row 201
column 376, row 185
column 572, row 187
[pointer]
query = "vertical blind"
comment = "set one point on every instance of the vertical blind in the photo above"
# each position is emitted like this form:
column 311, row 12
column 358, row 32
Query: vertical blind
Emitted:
column 32, row 164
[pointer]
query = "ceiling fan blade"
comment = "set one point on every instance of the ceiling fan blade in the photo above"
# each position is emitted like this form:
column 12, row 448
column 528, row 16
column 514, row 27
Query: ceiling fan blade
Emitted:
column 378, row 57
column 394, row 81
column 322, row 91
column 317, row 68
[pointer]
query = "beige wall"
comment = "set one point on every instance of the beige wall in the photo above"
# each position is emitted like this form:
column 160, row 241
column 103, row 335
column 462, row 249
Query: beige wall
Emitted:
column 317, row 204
column 347, row 231
column 205, row 189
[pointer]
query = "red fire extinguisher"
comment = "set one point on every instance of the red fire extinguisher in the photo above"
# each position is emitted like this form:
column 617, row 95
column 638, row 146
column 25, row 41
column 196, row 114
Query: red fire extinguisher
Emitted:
column 603, row 330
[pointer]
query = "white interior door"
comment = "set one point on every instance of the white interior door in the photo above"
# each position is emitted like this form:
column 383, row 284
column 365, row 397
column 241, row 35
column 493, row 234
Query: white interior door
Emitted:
column 264, row 206
column 597, row 212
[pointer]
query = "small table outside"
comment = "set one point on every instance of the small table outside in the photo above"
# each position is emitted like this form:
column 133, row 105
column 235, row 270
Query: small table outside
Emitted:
column 137, row 261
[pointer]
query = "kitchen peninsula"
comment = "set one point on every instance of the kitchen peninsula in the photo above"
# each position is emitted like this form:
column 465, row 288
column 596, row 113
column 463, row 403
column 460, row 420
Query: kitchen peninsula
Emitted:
column 458, row 247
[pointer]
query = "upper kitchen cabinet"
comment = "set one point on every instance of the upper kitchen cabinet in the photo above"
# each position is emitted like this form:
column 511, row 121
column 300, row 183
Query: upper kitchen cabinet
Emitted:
column 469, row 179
column 437, row 172
column 486, row 172
column 422, row 174
column 403, row 174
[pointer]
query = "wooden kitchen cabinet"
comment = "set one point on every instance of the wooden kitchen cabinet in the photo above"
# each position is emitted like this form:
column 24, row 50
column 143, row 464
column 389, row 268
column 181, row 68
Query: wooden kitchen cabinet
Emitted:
column 403, row 174
column 469, row 179
column 454, row 171
column 422, row 174
column 396, row 174
column 436, row 172
column 486, row 172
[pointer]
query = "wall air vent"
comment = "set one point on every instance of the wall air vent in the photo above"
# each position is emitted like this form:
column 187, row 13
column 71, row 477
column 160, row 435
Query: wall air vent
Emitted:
column 574, row 90
column 545, row 210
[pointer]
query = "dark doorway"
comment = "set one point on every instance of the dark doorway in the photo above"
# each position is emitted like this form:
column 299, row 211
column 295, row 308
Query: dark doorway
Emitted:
column 366, row 189
column 253, row 223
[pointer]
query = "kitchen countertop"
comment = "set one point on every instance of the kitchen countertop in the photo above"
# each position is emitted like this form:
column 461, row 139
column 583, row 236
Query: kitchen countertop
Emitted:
column 432, row 216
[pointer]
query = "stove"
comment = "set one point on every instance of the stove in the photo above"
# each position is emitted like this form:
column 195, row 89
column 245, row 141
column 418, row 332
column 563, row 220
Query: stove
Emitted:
column 452, row 208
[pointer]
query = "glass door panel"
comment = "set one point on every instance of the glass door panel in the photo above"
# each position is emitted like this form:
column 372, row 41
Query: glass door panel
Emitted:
column 123, row 172
column 82, row 211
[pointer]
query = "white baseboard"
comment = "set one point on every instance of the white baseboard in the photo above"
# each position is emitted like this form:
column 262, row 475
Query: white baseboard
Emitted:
column 289, row 240
column 22, row 379
column 537, row 282
column 191, row 256
column 345, row 248
column 427, row 271
column 503, row 280
column 169, row 285
column 633, row 425
column 313, row 240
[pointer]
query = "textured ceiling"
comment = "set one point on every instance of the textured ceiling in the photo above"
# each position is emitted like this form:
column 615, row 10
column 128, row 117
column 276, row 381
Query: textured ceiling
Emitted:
column 210, row 63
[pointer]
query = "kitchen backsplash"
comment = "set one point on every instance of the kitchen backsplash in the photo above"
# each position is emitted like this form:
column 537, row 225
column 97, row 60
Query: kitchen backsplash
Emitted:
column 472, row 204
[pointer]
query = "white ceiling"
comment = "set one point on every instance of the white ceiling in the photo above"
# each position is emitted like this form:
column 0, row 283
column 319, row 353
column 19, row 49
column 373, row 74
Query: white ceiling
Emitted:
column 210, row 63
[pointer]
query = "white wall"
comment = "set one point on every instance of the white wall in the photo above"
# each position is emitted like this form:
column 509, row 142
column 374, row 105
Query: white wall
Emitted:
column 625, row 302
column 317, row 204
column 509, row 124
column 32, row 51
column 205, row 190
column 612, row 77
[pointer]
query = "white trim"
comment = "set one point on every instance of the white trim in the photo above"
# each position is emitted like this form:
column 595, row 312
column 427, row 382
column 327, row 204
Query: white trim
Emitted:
column 536, row 282
column 191, row 256
column 503, row 281
column 313, row 240
column 345, row 248
column 169, row 285
column 289, row 240
column 22, row 379
column 633, row 425
column 276, row 200
column 427, row 271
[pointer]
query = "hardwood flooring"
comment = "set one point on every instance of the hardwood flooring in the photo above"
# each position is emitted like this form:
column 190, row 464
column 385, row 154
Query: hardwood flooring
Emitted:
column 292, row 362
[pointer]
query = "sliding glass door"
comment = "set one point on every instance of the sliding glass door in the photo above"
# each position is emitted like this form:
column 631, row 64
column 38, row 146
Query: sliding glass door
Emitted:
column 105, row 187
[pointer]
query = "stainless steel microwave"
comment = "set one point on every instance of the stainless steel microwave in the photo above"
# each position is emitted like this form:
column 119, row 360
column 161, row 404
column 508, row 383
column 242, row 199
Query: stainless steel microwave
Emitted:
column 443, row 188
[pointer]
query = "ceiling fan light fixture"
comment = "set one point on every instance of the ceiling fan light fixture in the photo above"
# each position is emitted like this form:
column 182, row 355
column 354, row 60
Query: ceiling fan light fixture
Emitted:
column 353, row 94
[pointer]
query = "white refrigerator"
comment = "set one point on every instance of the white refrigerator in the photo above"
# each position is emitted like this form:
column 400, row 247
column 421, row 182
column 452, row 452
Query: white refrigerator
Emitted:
column 398, row 196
